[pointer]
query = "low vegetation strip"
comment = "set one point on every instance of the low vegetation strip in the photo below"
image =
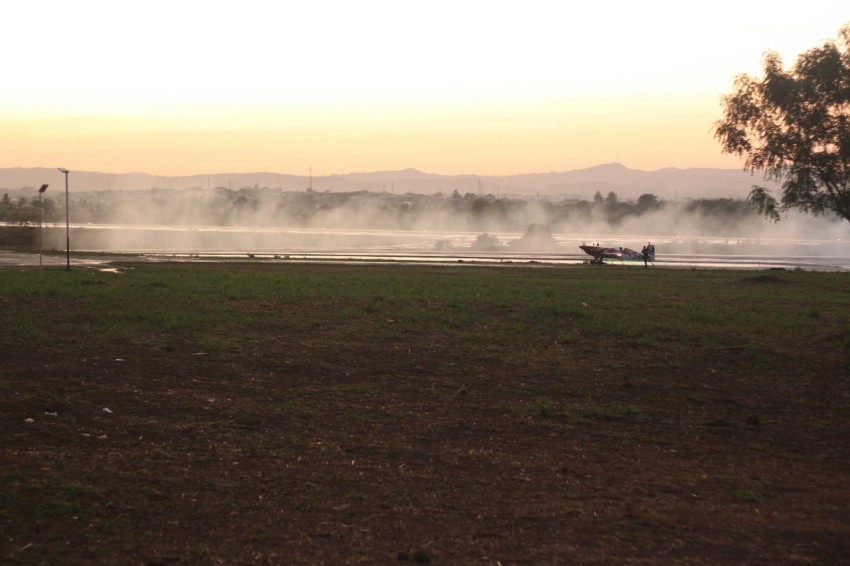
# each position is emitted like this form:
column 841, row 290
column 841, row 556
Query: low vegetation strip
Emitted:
column 303, row 413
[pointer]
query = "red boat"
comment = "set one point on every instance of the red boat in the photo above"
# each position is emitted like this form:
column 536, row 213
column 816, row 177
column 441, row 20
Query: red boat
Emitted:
column 601, row 253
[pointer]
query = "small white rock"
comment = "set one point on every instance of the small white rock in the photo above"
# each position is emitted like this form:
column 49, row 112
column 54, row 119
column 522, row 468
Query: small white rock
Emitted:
column 107, row 410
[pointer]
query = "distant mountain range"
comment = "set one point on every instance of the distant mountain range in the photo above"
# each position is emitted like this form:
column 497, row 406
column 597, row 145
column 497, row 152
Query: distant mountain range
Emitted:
column 667, row 184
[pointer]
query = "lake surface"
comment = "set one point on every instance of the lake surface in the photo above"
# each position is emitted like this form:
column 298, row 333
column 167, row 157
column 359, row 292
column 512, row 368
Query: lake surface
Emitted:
column 198, row 243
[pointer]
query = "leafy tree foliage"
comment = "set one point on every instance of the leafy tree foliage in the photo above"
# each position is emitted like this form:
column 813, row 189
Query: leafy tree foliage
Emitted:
column 648, row 201
column 794, row 126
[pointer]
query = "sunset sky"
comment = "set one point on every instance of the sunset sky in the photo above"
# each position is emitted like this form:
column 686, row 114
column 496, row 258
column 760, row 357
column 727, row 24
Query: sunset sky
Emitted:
column 452, row 87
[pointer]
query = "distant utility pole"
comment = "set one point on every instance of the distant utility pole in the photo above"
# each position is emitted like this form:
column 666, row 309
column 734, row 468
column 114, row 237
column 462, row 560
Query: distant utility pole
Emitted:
column 40, row 213
column 67, row 223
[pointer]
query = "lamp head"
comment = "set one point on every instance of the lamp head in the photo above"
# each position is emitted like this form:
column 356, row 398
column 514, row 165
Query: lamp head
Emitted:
column 63, row 170
column 43, row 188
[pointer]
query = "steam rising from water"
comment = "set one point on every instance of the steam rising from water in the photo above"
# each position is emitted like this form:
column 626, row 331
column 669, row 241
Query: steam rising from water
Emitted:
column 266, row 220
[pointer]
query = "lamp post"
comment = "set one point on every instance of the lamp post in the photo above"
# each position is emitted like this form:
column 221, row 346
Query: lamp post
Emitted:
column 40, row 214
column 67, row 224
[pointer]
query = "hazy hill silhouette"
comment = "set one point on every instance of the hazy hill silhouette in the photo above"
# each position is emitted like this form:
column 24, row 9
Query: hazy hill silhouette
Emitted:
column 667, row 184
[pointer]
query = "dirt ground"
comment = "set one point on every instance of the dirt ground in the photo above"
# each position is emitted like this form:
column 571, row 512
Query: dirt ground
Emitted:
column 379, row 453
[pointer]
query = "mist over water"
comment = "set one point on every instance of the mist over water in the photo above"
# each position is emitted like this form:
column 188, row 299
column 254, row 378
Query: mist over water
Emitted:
column 277, row 222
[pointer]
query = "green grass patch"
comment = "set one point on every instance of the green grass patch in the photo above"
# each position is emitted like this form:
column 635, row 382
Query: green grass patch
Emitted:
column 219, row 308
column 243, row 397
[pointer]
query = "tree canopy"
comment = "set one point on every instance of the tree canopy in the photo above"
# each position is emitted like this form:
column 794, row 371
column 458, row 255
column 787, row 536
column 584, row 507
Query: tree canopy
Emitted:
column 794, row 126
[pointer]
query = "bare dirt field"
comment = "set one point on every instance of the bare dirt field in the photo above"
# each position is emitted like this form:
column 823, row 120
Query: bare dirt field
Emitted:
column 252, row 414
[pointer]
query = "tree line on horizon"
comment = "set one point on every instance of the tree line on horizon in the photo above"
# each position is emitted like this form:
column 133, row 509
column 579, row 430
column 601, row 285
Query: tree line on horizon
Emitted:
column 262, row 206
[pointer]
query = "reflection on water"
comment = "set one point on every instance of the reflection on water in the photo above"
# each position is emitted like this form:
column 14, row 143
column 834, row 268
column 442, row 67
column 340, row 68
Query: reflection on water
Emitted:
column 455, row 247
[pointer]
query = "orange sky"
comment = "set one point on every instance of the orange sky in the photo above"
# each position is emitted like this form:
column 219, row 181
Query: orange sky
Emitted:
column 446, row 87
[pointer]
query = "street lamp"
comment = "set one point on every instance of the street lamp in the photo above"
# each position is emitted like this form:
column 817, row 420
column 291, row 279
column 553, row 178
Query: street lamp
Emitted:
column 67, row 224
column 40, row 214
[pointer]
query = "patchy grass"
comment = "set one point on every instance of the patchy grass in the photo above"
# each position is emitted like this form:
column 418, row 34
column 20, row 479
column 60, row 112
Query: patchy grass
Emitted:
column 298, row 413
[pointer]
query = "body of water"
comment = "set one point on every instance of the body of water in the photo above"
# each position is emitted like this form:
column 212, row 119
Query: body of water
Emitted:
column 446, row 247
